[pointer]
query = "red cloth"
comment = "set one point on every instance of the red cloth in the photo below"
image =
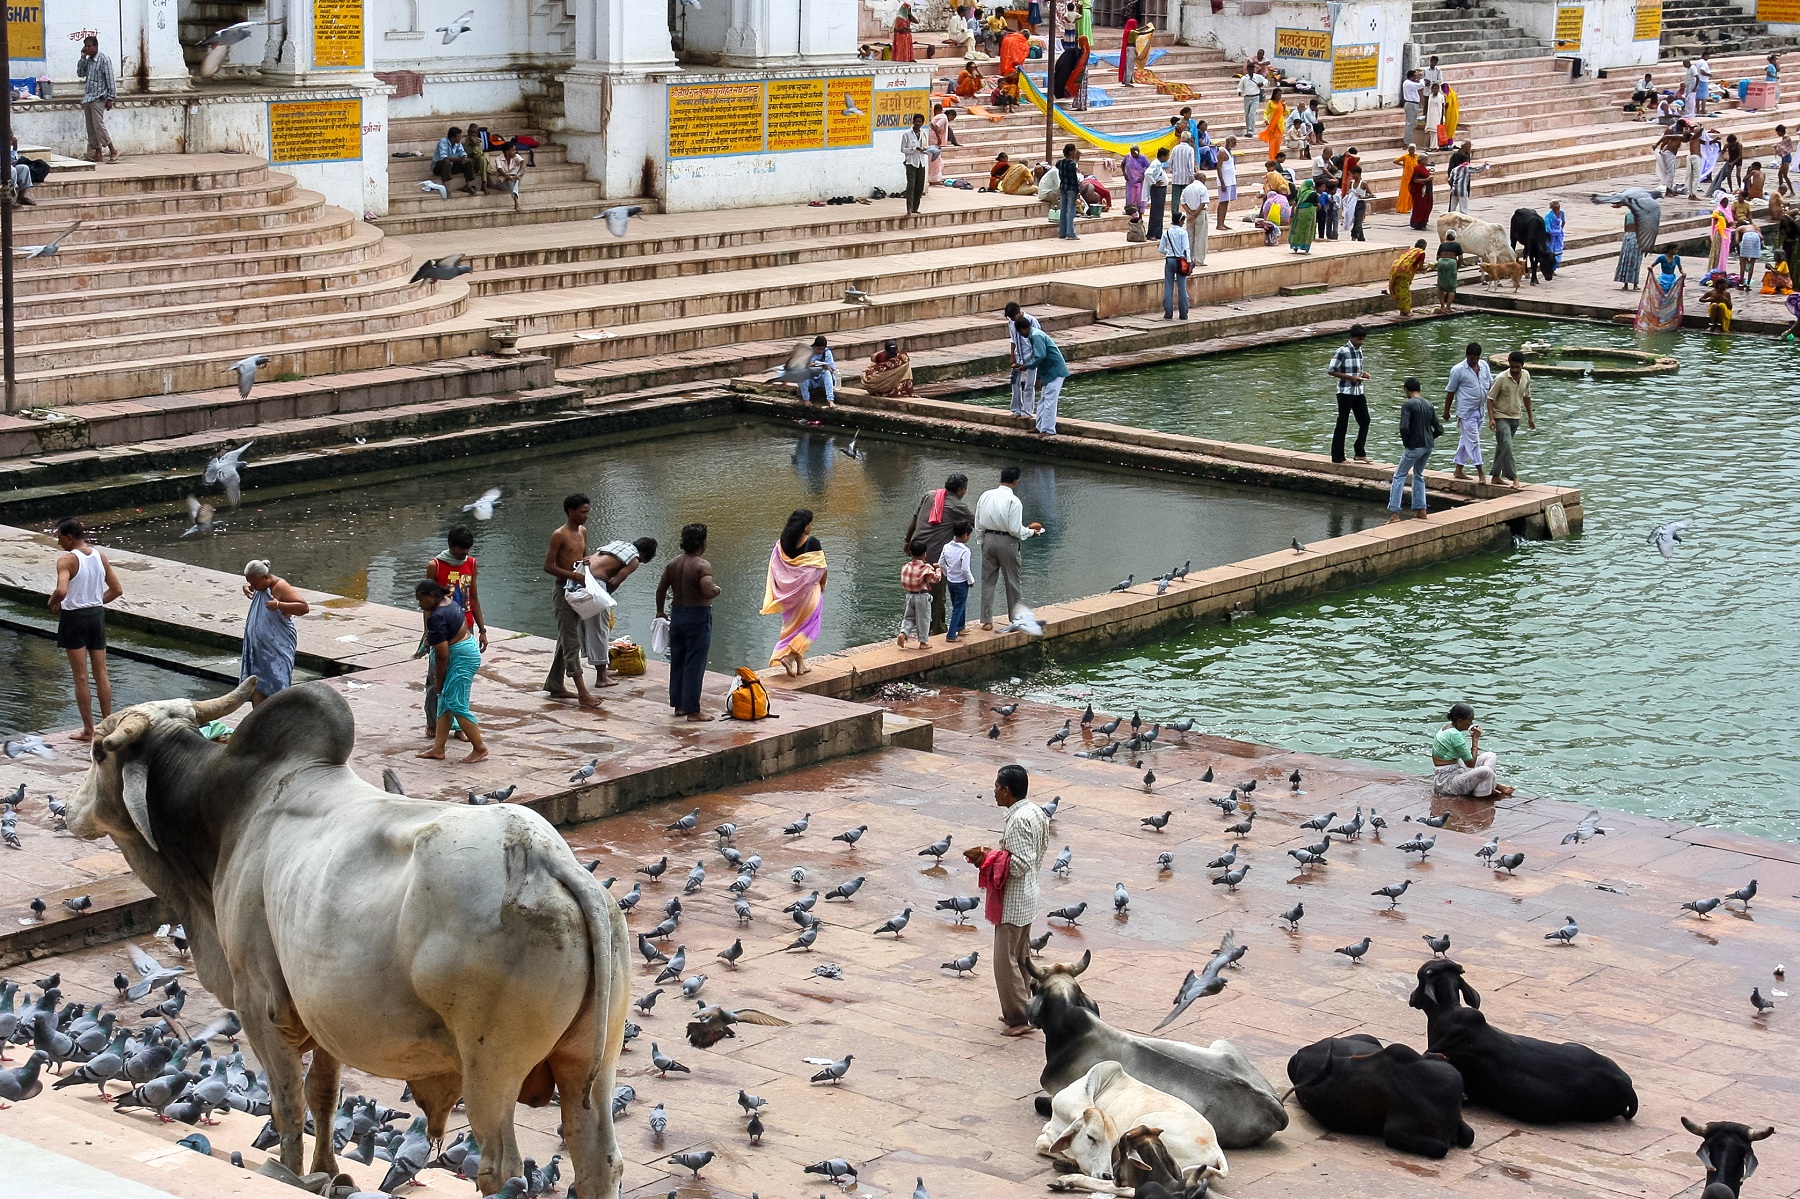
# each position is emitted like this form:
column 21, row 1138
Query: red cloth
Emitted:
column 1124, row 41
column 937, row 497
column 995, row 868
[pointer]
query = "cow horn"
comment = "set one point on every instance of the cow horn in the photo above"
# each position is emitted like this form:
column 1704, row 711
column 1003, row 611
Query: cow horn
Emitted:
column 1762, row 1134
column 1036, row 971
column 208, row 710
column 1698, row 1130
column 130, row 725
column 1087, row 957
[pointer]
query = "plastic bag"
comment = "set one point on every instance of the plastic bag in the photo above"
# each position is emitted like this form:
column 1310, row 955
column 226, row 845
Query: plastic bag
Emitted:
column 626, row 657
column 659, row 636
column 590, row 598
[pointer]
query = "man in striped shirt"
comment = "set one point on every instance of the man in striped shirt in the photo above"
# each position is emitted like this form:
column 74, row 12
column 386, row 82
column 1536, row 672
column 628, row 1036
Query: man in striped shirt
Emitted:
column 1347, row 368
column 98, row 92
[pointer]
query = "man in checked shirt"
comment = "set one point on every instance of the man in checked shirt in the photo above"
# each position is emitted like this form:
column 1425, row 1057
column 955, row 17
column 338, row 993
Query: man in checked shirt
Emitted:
column 1026, row 837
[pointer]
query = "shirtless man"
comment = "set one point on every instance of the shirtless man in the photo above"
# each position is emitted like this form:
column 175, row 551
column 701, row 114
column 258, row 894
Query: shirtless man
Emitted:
column 1668, row 146
column 568, row 546
column 85, row 584
column 612, row 564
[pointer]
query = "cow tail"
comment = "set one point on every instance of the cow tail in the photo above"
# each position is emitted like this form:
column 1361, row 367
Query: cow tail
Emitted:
column 601, row 944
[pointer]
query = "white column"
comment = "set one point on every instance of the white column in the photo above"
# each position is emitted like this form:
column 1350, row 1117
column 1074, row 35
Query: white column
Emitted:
column 160, row 45
column 827, row 29
column 618, row 33
column 307, row 42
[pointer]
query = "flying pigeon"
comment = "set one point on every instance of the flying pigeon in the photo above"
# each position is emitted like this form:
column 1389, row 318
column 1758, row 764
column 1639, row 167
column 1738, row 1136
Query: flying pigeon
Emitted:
column 963, row 964
column 1666, row 537
column 200, row 519
column 1206, row 982
column 222, row 470
column 441, row 270
column 231, row 35
column 457, row 28
column 850, row 108
column 1586, row 829
column 618, row 218
column 32, row 744
column 50, row 248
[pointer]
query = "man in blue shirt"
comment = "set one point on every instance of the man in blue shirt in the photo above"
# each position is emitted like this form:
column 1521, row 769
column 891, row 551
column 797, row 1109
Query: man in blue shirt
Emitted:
column 1047, row 361
column 451, row 159
column 1467, row 391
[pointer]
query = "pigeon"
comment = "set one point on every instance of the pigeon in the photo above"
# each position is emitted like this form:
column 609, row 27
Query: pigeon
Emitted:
column 1586, row 829
column 1393, row 891
column 1070, row 914
column 1162, row 584
column 1377, row 822
column 742, row 908
column 38, row 906
column 647, row 1002
column 1037, row 943
column 994, row 733
column 1319, row 823
column 1123, row 584
column 1419, row 845
column 200, row 519
column 587, row 772
column 1121, row 898
column 1224, row 861
column 222, row 470
column 1165, row 862
column 675, row 966
column 49, row 249
column 1701, row 907
column 409, row 1157
column 712, row 1024
column 806, row 938
column 1509, row 862
column 1059, row 736
column 803, row 905
column 1566, row 933
column 1207, row 777
column 1149, row 782
column 1293, row 914
column 1231, row 878
column 1156, row 822
column 797, row 876
column 1294, row 780
column 833, row 1072
column 685, row 824
column 732, row 952
column 851, row 836
column 919, row 1191
column 1205, row 983
column 665, row 930
column 1136, row 722
column 1005, row 709
column 755, row 1128
column 1299, row 547
column 80, row 903
column 798, row 826
column 652, row 955
column 659, row 1121
column 1666, row 537
column 664, row 1063
column 1351, row 829
column 832, row 1168
column 618, row 220
column 451, row 32
column 1744, row 894
column 695, row 878
column 1440, row 945
column 1488, row 850
column 1110, row 727
column 1049, row 809
column 962, row 905
column 963, row 964
column 726, row 832
column 895, row 923
column 630, row 899
column 936, row 850
column 441, row 270
column 31, row 744
column 1087, row 715
column 655, row 869
column 1307, row 858
column 1762, row 1006
column 1242, row 827
column 198, row 1142
column 850, row 108
column 692, row 1160
column 24, row 1082
column 845, row 890
column 1354, row 952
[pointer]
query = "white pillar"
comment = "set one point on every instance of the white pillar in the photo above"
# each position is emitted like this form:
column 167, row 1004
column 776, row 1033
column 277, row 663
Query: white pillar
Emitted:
column 159, row 45
column 318, row 42
column 621, row 33
column 828, row 29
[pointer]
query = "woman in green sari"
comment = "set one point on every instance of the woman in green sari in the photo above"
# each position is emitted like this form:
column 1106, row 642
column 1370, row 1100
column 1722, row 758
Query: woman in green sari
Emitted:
column 1306, row 220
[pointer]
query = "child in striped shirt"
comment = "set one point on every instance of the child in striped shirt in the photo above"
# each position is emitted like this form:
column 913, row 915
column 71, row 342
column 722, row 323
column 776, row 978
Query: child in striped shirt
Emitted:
column 916, row 578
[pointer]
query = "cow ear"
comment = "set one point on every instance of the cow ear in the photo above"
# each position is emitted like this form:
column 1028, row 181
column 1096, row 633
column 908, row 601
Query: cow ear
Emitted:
column 1468, row 993
column 1749, row 1162
column 1705, row 1156
column 136, row 777
column 1066, row 1138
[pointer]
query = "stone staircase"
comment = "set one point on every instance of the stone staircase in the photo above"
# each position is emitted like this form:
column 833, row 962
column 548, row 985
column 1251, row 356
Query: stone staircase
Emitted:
column 200, row 19
column 1472, row 34
column 1714, row 27
column 182, row 265
column 554, row 22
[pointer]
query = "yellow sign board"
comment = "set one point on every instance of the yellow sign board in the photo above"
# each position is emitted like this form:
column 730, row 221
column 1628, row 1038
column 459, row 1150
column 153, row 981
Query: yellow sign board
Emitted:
column 1308, row 45
column 315, row 131
column 894, row 109
column 848, row 103
column 1647, row 24
column 25, row 30
column 1568, row 27
column 711, row 120
column 796, row 114
column 337, row 35
column 1778, row 12
column 1356, row 68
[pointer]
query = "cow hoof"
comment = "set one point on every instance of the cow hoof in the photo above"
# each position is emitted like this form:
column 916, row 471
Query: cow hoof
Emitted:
column 1042, row 1104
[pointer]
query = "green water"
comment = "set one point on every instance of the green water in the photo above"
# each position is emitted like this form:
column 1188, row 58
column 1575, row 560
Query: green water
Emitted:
column 1600, row 672
column 39, row 694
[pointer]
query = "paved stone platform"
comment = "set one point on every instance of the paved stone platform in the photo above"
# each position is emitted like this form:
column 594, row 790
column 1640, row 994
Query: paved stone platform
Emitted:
column 936, row 1091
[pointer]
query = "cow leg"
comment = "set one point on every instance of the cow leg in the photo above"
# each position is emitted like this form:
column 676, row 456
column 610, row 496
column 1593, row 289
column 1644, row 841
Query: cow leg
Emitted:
column 322, row 1077
column 489, row 1096
column 282, row 1066
column 1415, row 1142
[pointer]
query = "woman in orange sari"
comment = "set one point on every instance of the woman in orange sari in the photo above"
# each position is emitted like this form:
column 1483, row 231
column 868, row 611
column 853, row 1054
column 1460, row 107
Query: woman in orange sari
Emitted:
column 1408, row 163
column 1013, row 49
column 1400, row 276
column 1274, row 114
column 796, row 589
column 903, row 39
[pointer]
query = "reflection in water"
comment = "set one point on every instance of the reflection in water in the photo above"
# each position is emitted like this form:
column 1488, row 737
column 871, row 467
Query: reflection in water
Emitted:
column 37, row 693
column 374, row 534
column 1600, row 672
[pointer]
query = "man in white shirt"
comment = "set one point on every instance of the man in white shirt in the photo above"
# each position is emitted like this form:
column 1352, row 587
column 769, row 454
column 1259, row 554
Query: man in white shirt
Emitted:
column 1410, row 91
column 915, row 148
column 1702, row 84
column 999, row 522
column 1025, row 839
column 1250, row 90
column 1432, row 73
column 1174, row 248
column 1024, row 374
column 1183, row 162
column 1195, row 199
column 1156, row 183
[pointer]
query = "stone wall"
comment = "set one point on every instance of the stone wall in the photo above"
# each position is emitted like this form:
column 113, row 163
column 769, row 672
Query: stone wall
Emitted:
column 1240, row 30
column 1608, row 29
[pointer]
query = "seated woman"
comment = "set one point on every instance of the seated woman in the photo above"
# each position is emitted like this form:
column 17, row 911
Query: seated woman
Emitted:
column 997, row 172
column 1017, row 181
column 971, row 81
column 889, row 373
column 1778, row 280
column 1006, row 92
column 1134, row 225
column 1458, row 765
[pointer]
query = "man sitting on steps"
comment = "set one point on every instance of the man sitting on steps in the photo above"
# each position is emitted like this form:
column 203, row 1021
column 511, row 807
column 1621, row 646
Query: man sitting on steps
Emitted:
column 451, row 158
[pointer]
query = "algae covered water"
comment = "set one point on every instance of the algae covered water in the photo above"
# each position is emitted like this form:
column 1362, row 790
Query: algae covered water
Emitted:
column 1600, row 672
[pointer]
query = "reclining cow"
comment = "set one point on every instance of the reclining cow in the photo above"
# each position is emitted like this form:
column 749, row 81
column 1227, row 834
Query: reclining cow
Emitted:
column 1353, row 1084
column 1219, row 1082
column 1116, row 1133
column 1533, row 1081
column 1725, row 1150
column 460, row 948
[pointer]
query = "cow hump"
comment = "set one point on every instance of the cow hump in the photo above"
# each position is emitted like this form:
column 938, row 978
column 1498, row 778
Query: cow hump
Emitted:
column 310, row 723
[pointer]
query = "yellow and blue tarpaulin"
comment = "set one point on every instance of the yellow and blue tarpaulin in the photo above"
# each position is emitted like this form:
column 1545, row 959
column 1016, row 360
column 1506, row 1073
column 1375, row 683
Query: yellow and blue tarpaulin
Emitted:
column 1149, row 142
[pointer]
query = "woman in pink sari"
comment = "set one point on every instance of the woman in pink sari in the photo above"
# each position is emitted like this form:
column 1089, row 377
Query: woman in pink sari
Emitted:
column 796, row 589
column 1135, row 165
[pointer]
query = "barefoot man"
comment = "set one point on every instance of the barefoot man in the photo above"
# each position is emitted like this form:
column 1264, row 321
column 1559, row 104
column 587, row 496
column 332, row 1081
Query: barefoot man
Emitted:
column 85, row 584
column 568, row 546
column 1012, row 871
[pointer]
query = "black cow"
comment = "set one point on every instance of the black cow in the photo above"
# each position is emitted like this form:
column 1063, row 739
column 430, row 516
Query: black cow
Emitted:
column 1412, row 1101
column 1533, row 1081
column 1530, row 237
column 1725, row 1152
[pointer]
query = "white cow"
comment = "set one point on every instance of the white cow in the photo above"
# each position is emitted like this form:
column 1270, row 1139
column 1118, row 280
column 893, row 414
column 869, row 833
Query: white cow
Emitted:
column 1484, row 239
column 1094, row 1115
column 460, row 948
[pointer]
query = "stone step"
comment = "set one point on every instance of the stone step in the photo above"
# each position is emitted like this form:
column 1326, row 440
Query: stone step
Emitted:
column 464, row 212
column 184, row 172
column 296, row 207
column 546, row 194
column 54, row 205
column 325, row 227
